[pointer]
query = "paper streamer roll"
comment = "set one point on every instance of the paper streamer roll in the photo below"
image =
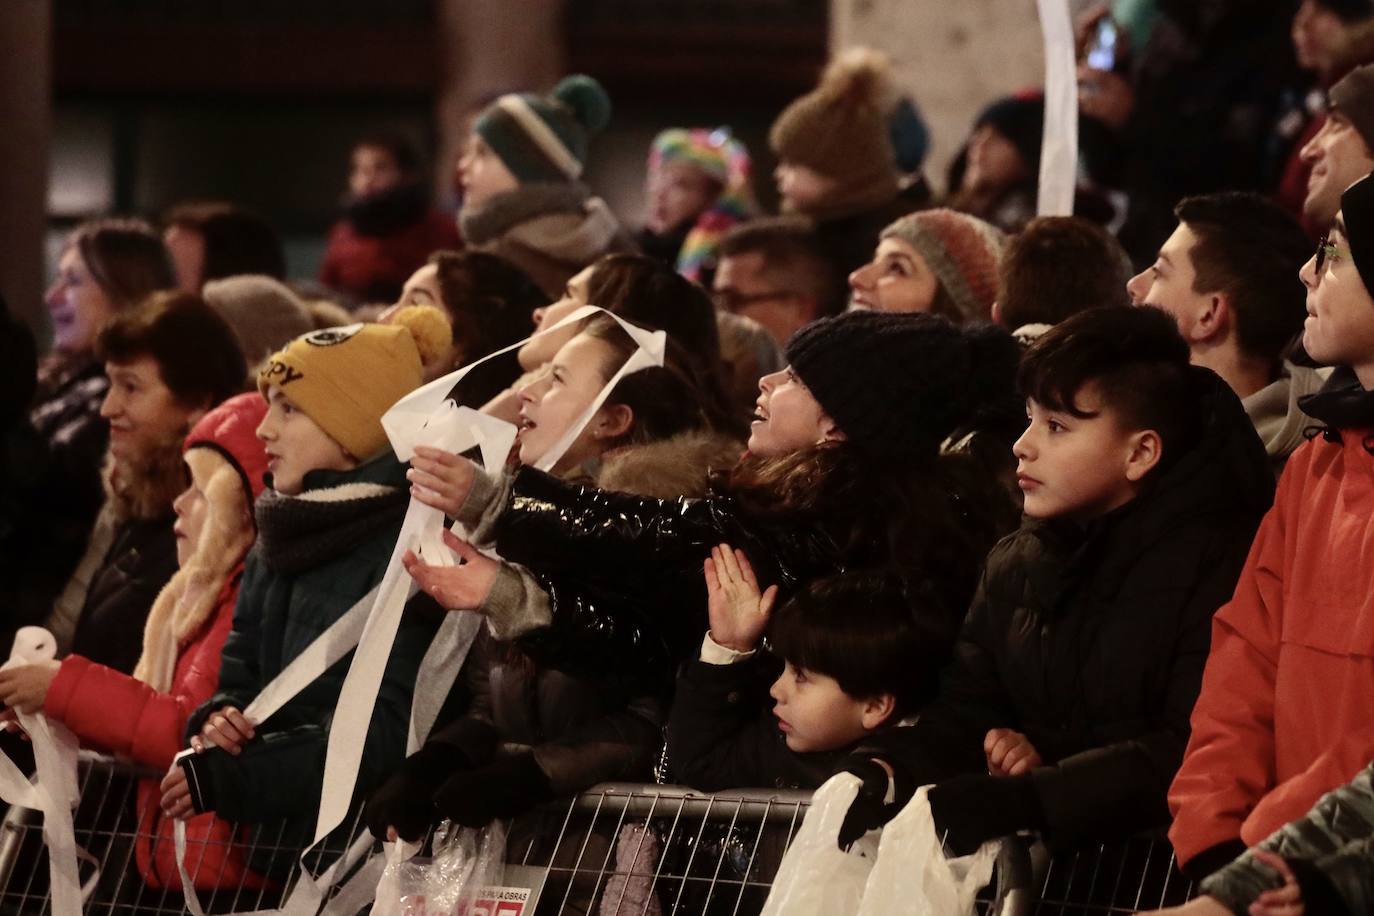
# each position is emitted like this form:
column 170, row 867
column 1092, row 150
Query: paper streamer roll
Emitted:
column 1059, row 144
column 54, row 790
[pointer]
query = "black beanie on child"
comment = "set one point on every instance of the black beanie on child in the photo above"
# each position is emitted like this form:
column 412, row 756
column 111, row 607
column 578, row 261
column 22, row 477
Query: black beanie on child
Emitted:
column 1357, row 212
column 897, row 385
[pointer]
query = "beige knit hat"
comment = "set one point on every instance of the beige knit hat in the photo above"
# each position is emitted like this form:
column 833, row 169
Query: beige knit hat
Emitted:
column 264, row 313
column 840, row 129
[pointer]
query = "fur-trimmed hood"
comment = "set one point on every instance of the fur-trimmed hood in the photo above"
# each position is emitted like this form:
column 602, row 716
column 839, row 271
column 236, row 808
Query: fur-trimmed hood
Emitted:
column 670, row 468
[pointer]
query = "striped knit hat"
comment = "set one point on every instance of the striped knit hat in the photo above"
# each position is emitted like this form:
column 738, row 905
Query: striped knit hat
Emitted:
column 544, row 138
column 962, row 251
column 724, row 159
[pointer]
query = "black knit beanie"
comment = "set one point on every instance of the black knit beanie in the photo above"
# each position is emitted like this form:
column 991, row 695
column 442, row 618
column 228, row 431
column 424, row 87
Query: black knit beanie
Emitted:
column 1357, row 211
column 895, row 384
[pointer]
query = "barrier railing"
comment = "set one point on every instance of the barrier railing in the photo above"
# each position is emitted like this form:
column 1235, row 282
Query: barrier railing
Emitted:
column 612, row 851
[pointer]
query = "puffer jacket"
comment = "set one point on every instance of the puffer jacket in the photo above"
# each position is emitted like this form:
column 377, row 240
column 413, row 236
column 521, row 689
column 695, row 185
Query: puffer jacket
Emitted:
column 1091, row 640
column 623, row 573
column 1329, row 852
column 317, row 554
column 113, row 711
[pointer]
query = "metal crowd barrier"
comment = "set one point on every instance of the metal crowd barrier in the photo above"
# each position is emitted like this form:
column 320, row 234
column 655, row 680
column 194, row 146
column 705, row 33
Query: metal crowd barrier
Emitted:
column 612, row 851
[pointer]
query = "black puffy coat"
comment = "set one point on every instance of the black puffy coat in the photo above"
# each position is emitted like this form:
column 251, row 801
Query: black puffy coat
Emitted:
column 624, row 573
column 1091, row 641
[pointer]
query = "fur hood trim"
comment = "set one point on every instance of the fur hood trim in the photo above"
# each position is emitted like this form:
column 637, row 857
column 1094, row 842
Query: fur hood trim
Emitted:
column 670, row 468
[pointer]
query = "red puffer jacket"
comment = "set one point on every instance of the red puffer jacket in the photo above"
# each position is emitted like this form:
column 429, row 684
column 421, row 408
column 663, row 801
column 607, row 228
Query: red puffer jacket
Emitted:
column 112, row 711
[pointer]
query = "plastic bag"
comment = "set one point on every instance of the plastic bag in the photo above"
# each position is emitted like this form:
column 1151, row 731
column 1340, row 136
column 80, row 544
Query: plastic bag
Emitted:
column 816, row 877
column 912, row 877
column 464, row 863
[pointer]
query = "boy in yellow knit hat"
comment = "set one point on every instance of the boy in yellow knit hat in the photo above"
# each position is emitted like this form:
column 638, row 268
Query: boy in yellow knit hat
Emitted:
column 326, row 528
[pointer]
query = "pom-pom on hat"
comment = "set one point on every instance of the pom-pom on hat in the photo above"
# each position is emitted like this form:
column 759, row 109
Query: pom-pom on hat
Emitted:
column 345, row 378
column 963, row 252
column 898, row 384
column 544, row 138
column 841, row 129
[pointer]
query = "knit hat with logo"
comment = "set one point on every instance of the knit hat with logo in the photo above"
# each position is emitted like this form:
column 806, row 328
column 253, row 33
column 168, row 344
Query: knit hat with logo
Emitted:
column 345, row 378
column 544, row 138
column 963, row 252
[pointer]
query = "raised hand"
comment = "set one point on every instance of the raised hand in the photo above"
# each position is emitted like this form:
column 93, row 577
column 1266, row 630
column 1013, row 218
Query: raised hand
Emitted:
column 456, row 588
column 738, row 611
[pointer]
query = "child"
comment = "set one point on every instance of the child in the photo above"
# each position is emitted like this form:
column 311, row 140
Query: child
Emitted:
column 522, row 197
column 326, row 529
column 857, row 656
column 844, row 470
column 143, row 716
column 1284, row 713
column 1066, row 706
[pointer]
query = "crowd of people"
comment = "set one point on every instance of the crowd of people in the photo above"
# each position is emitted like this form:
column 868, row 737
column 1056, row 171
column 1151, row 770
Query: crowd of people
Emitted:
column 1067, row 517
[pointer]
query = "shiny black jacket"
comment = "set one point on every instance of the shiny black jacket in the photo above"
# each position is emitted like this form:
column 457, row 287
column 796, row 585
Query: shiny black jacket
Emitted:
column 624, row 573
column 1091, row 641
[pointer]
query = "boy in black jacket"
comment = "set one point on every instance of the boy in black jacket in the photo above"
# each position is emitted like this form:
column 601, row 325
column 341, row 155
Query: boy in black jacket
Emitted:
column 1066, row 706
column 851, row 655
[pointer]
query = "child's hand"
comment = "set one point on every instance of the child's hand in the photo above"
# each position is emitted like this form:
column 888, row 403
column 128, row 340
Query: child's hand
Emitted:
column 176, row 794
column 229, row 730
column 1281, row 901
column 456, row 588
column 440, row 479
column 738, row 612
column 1010, row 753
column 25, row 687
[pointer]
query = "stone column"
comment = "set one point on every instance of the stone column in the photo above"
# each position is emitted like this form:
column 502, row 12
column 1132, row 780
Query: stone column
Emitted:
column 26, row 116
column 953, row 58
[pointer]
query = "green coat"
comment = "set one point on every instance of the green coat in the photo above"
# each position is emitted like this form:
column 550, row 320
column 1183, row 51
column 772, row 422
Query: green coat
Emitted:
column 314, row 559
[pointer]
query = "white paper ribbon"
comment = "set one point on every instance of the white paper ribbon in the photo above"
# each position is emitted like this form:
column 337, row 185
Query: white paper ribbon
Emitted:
column 1059, row 144
column 424, row 417
column 54, row 790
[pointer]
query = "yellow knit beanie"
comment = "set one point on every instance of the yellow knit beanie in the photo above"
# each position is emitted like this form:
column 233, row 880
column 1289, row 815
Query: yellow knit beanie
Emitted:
column 345, row 378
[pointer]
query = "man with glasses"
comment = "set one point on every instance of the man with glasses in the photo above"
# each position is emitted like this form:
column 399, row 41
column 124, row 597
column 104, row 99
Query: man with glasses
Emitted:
column 1229, row 276
column 1284, row 715
column 775, row 272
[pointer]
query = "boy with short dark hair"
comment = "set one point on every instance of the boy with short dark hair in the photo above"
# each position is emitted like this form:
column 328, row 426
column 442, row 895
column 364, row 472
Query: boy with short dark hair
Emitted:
column 1066, row 706
column 857, row 654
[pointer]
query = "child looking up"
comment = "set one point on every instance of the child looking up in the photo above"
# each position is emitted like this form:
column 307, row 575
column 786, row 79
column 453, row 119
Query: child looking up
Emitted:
column 326, row 529
column 1066, row 706
column 857, row 654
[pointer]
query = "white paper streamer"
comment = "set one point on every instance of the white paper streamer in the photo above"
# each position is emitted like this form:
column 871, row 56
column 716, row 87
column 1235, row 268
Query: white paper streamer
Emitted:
column 1059, row 145
column 54, row 789
column 424, row 417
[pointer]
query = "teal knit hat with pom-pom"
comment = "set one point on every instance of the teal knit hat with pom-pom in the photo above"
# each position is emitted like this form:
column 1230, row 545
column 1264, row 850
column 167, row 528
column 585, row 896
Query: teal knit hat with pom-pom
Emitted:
column 544, row 138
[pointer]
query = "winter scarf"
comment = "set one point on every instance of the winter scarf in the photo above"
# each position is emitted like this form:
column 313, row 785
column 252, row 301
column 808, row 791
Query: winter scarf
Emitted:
column 1342, row 403
column 298, row 533
column 563, row 221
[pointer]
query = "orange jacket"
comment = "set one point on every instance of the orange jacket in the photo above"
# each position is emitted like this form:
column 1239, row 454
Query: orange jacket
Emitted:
column 1286, row 712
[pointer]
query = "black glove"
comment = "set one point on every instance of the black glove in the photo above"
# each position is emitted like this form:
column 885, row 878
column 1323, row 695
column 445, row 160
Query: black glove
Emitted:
column 503, row 788
column 969, row 810
column 870, row 811
column 406, row 800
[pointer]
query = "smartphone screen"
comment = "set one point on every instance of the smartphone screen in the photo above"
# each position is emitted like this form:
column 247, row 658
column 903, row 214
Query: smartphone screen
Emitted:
column 1102, row 51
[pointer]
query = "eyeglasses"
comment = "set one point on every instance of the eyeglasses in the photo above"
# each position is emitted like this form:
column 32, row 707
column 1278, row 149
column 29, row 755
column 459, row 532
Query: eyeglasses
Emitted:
column 729, row 300
column 1325, row 249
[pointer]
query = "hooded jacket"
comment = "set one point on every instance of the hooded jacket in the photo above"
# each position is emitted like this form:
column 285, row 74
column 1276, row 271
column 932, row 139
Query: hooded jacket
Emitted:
column 317, row 554
column 1284, row 714
column 134, row 718
column 1090, row 640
